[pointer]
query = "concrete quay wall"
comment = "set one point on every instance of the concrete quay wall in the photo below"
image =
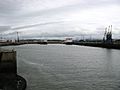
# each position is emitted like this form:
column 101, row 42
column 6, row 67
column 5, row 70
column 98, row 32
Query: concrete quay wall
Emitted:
column 8, row 61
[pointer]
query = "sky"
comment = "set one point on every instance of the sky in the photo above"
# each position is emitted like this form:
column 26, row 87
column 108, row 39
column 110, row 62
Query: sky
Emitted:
column 58, row 18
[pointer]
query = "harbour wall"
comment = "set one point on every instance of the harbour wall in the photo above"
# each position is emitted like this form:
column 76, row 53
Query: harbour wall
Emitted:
column 102, row 45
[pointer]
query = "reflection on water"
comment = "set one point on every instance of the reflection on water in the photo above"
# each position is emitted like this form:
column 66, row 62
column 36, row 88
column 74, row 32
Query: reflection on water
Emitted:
column 64, row 67
column 109, row 63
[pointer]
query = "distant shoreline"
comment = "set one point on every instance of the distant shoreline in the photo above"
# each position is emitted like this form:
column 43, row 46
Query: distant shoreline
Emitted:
column 22, row 43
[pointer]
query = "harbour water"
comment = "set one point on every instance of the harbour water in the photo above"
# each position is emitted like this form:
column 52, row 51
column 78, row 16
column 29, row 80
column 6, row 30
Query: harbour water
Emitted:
column 68, row 67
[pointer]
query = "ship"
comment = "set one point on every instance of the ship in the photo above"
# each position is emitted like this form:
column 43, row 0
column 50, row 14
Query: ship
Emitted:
column 68, row 41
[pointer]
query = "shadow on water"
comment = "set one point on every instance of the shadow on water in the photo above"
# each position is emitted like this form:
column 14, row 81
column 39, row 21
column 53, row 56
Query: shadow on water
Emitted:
column 109, row 62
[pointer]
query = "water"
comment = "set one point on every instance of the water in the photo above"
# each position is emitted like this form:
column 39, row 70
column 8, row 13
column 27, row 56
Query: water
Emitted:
column 64, row 67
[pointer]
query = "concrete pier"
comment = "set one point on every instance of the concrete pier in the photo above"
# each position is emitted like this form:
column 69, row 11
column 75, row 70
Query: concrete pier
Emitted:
column 8, row 61
column 8, row 70
column 9, row 80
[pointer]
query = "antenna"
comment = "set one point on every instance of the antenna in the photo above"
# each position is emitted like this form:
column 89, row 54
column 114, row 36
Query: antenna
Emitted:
column 111, row 28
column 17, row 37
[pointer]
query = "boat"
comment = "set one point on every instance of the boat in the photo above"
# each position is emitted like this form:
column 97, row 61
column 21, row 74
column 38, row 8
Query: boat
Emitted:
column 68, row 41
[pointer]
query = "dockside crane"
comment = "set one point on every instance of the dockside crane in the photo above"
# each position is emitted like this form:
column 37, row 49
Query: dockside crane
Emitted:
column 108, row 35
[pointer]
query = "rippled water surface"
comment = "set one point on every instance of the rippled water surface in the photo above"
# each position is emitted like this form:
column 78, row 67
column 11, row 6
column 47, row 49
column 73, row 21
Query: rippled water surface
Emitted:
column 64, row 67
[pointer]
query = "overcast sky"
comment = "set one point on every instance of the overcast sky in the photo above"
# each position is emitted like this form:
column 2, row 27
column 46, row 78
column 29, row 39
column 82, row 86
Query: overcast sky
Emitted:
column 59, row 18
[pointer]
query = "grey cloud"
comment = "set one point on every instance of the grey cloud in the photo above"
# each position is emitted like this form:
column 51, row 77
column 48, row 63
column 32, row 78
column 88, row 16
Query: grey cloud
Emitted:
column 4, row 28
column 14, row 14
column 85, row 4
column 8, row 7
column 35, row 25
